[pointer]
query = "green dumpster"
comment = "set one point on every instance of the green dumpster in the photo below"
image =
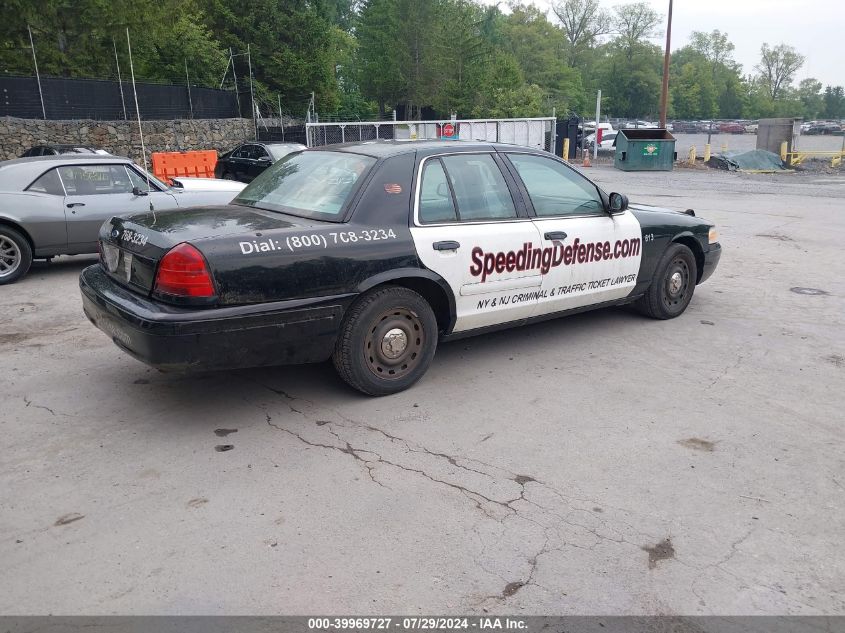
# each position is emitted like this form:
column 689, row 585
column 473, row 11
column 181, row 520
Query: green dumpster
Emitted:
column 645, row 149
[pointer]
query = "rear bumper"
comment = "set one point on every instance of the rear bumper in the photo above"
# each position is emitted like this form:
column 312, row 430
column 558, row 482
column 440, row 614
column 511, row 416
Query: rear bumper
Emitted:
column 711, row 260
column 167, row 337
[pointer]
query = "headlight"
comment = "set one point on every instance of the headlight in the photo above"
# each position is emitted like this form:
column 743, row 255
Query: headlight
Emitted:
column 713, row 236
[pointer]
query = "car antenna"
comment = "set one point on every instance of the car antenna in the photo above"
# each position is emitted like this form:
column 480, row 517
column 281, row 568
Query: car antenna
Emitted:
column 140, row 129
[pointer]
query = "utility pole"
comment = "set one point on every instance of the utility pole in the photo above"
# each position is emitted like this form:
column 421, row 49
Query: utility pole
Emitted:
column 188, row 83
column 37, row 76
column 119, row 82
column 251, row 92
column 596, row 133
column 664, row 94
column 235, row 79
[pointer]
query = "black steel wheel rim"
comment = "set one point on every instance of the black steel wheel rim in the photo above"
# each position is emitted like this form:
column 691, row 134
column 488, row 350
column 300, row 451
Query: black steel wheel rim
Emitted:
column 676, row 284
column 394, row 343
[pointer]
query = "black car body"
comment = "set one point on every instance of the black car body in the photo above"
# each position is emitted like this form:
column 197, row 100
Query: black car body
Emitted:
column 373, row 252
column 248, row 160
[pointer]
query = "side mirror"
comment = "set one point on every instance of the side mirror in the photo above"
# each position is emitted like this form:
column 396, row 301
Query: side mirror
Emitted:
column 443, row 190
column 618, row 202
column 265, row 159
column 138, row 192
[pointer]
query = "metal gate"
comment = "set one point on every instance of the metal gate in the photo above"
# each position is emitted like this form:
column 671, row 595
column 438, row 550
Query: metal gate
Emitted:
column 538, row 133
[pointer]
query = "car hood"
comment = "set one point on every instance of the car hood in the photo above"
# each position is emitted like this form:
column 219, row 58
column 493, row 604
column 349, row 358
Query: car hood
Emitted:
column 677, row 217
column 187, row 183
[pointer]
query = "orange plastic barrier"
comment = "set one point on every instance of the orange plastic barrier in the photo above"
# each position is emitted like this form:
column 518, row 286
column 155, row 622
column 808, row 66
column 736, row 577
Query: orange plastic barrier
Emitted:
column 198, row 164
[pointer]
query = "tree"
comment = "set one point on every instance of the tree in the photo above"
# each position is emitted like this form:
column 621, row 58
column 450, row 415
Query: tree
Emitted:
column 583, row 21
column 834, row 102
column 777, row 68
column 714, row 47
column 538, row 47
column 634, row 23
column 810, row 95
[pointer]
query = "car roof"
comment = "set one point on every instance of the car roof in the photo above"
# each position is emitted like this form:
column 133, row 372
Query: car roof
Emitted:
column 386, row 148
column 18, row 173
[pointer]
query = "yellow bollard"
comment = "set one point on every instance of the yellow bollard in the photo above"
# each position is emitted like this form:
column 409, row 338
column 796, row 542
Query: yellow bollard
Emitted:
column 707, row 152
column 565, row 152
column 783, row 151
column 692, row 154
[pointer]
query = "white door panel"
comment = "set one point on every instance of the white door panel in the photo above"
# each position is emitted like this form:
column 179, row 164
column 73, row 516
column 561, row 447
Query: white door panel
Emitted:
column 598, row 260
column 478, row 271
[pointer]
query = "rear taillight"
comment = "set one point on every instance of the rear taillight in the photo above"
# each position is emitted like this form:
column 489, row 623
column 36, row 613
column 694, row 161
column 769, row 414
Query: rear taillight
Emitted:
column 182, row 272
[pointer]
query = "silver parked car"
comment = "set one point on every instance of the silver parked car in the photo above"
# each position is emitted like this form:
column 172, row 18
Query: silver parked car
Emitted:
column 55, row 205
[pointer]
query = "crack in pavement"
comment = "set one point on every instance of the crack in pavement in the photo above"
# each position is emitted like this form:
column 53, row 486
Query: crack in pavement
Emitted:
column 37, row 406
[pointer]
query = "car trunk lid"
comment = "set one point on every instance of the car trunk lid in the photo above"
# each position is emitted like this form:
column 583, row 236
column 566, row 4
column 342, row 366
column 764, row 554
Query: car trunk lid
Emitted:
column 132, row 246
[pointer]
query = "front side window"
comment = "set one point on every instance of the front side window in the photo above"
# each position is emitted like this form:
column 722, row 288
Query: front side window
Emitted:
column 48, row 183
column 554, row 189
column 87, row 180
column 140, row 181
column 436, row 204
column 311, row 184
column 480, row 189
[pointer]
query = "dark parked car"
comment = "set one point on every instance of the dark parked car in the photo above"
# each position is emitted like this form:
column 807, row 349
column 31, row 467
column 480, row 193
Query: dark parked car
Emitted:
column 684, row 127
column 246, row 161
column 56, row 150
column 825, row 127
column 373, row 253
column 730, row 127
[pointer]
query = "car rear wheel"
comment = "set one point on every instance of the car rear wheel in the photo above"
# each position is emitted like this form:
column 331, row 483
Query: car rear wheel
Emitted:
column 228, row 176
column 673, row 285
column 387, row 341
column 15, row 255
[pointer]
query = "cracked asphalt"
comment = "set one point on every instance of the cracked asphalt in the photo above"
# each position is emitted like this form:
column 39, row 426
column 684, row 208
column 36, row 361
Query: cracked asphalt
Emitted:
column 599, row 464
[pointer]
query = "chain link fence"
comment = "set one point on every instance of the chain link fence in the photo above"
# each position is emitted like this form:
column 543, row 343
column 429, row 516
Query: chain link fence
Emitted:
column 538, row 133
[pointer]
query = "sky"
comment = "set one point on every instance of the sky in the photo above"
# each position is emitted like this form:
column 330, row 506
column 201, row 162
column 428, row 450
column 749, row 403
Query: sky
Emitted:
column 815, row 28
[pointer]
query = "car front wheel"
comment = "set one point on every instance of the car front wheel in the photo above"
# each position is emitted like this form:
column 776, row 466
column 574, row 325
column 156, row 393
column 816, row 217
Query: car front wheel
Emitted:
column 386, row 342
column 15, row 255
column 673, row 285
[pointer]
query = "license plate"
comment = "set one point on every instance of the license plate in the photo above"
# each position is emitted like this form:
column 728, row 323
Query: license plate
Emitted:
column 111, row 254
column 127, row 265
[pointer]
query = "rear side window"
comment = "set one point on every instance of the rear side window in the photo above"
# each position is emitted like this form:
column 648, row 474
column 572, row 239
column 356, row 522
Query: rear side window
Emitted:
column 436, row 204
column 311, row 184
column 480, row 189
column 48, row 183
column 89, row 180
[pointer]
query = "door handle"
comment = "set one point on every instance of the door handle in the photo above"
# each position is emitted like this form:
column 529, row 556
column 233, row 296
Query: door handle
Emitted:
column 70, row 205
column 555, row 235
column 447, row 245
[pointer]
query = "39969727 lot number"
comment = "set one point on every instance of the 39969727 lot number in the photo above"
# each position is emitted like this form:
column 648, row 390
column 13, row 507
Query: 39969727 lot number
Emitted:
column 382, row 623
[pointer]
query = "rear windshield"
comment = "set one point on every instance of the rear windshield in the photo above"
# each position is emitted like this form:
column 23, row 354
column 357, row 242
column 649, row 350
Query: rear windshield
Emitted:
column 309, row 184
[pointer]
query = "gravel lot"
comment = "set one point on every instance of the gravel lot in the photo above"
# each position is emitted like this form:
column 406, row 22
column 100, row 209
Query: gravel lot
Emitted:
column 600, row 464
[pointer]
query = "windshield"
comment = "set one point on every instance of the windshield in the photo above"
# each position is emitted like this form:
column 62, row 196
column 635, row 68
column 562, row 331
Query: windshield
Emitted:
column 308, row 184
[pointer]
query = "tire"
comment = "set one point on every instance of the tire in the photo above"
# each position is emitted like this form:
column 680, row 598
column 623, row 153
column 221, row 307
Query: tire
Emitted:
column 15, row 255
column 673, row 285
column 228, row 176
column 386, row 342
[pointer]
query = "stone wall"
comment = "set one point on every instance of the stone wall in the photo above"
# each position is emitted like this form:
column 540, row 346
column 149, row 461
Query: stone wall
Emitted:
column 121, row 137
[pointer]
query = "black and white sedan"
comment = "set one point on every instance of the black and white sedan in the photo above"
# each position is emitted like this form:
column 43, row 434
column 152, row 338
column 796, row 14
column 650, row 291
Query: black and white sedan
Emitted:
column 373, row 253
column 55, row 205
